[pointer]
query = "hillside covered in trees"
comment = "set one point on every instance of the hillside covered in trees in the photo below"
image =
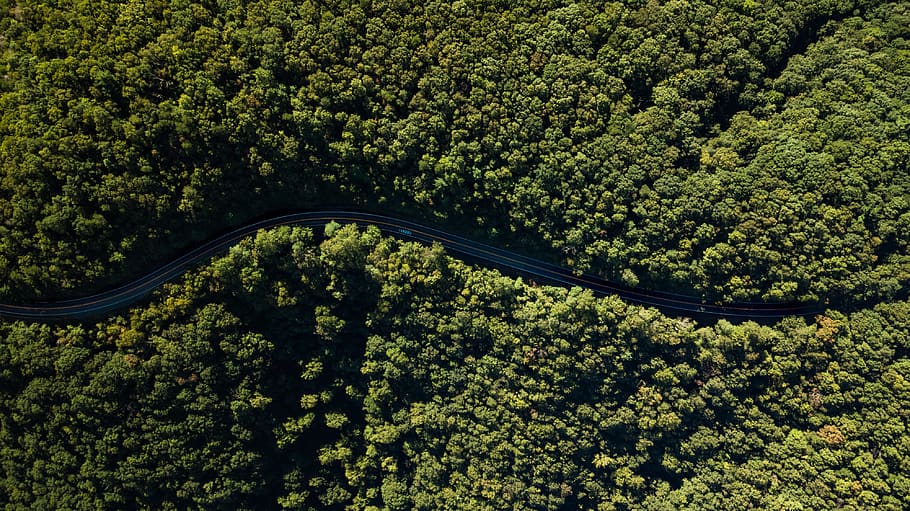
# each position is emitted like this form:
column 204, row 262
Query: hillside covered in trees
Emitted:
column 735, row 150
column 367, row 373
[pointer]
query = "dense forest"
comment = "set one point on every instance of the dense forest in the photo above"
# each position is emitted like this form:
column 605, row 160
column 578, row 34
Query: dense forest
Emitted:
column 729, row 150
column 735, row 151
column 367, row 373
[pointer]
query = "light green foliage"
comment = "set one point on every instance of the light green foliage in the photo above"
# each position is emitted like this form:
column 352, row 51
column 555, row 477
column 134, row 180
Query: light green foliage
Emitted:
column 440, row 386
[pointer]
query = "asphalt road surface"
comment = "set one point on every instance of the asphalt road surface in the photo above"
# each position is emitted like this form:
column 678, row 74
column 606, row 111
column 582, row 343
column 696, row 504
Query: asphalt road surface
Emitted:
column 103, row 303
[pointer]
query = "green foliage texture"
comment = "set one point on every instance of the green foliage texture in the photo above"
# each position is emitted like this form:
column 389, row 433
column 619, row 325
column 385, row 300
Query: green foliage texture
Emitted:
column 735, row 150
column 367, row 373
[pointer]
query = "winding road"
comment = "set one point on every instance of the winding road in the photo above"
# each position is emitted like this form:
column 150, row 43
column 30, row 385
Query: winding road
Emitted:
column 103, row 303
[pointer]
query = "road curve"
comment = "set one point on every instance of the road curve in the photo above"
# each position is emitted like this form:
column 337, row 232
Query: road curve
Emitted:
column 131, row 292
